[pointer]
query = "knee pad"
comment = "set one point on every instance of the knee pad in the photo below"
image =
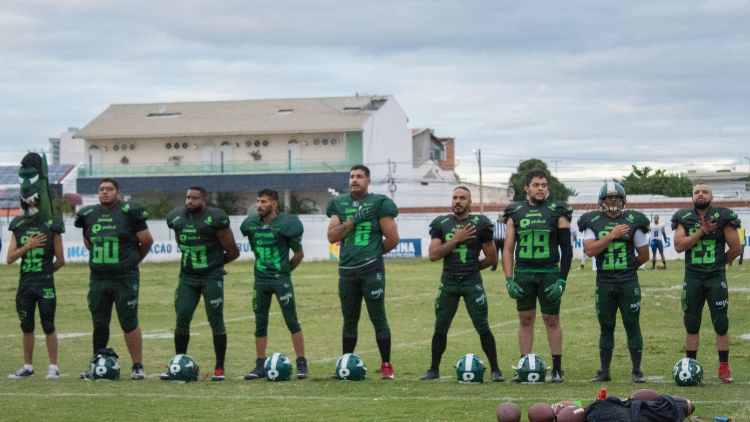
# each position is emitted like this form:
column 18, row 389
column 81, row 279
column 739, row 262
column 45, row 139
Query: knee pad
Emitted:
column 217, row 327
column 692, row 323
column 294, row 327
column 48, row 327
column 721, row 324
column 27, row 326
column 381, row 335
column 129, row 326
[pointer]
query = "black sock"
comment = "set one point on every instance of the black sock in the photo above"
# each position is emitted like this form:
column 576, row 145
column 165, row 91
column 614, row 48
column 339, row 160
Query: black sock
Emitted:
column 181, row 343
column 439, row 342
column 605, row 356
column 723, row 355
column 665, row 264
column 691, row 354
column 653, row 264
column 557, row 362
column 101, row 338
column 349, row 344
column 635, row 358
column 220, row 349
column 488, row 345
column 384, row 345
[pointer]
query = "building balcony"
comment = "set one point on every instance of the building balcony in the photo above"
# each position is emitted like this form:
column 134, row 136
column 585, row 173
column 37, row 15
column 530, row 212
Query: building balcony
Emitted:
column 185, row 169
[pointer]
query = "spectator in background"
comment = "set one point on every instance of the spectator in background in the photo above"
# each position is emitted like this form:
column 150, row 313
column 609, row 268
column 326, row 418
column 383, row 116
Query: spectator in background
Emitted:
column 499, row 240
column 657, row 241
column 741, row 232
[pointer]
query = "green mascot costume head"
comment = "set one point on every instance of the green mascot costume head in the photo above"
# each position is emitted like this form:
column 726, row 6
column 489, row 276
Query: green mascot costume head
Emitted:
column 36, row 204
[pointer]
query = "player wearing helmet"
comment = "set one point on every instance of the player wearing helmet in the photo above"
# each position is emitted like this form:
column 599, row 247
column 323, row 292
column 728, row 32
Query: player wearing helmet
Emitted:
column 618, row 238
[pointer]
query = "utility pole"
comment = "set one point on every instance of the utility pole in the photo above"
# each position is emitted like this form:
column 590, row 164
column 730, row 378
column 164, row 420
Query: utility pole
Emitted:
column 391, row 185
column 748, row 163
column 555, row 161
column 478, row 153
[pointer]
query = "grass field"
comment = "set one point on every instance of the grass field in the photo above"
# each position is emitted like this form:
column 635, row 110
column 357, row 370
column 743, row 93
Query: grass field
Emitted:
column 411, row 289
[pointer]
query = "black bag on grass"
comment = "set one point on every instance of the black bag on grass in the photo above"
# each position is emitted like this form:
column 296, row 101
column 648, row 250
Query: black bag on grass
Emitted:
column 613, row 409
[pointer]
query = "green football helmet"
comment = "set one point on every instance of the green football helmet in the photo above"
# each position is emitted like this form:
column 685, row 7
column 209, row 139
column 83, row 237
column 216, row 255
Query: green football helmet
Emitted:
column 470, row 369
column 612, row 188
column 182, row 368
column 278, row 367
column 687, row 373
column 532, row 369
column 350, row 368
column 104, row 366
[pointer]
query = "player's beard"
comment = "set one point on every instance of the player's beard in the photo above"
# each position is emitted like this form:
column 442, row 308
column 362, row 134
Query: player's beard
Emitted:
column 538, row 202
column 458, row 209
column 263, row 213
column 194, row 209
column 702, row 206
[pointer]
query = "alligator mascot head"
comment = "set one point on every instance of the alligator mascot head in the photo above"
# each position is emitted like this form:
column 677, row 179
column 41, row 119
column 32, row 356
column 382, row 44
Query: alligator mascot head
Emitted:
column 36, row 203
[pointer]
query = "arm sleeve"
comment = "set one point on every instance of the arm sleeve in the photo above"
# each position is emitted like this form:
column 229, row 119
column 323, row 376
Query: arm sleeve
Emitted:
column 388, row 208
column 331, row 208
column 221, row 220
column 562, row 210
column 589, row 235
column 641, row 239
column 675, row 220
column 58, row 226
column 435, row 231
column 293, row 231
column 508, row 213
column 245, row 227
column 566, row 251
column 582, row 224
column 138, row 215
column 731, row 219
column 487, row 233
column 80, row 220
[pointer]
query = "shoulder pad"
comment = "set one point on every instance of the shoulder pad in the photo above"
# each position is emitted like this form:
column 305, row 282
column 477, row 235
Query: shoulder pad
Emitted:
column 135, row 211
column 14, row 223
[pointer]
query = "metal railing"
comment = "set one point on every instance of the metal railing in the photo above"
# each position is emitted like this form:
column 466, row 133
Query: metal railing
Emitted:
column 255, row 167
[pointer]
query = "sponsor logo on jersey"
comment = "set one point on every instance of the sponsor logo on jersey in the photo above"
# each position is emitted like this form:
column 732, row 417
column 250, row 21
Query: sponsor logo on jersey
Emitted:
column 481, row 300
column 479, row 287
column 131, row 303
column 723, row 303
column 268, row 235
column 126, row 208
column 377, row 293
column 286, row 298
column 635, row 307
column 724, row 284
column 216, row 302
column 102, row 219
column 355, row 204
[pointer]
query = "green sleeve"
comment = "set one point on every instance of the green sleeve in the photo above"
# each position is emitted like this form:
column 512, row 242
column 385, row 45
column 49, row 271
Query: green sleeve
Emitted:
column 293, row 227
column 245, row 227
column 562, row 209
column 331, row 208
column 388, row 209
column 219, row 220
column 137, row 212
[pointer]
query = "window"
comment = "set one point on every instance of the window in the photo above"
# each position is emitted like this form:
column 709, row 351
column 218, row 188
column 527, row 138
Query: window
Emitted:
column 248, row 144
column 184, row 145
column 169, row 146
column 325, row 141
column 256, row 143
column 116, row 147
column 132, row 147
column 124, row 147
column 265, row 143
column 176, row 145
column 334, row 141
column 316, row 142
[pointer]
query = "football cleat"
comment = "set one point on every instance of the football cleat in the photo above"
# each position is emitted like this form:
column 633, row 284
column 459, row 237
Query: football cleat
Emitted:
column 137, row 372
column 431, row 374
column 724, row 374
column 497, row 376
column 218, row 375
column 21, row 373
column 638, row 377
column 470, row 369
column 532, row 369
column 87, row 375
column 182, row 368
column 687, row 373
column 52, row 374
column 278, row 367
column 558, row 376
column 164, row 377
column 515, row 380
column 386, row 369
column 302, row 368
column 602, row 376
column 350, row 367
column 259, row 371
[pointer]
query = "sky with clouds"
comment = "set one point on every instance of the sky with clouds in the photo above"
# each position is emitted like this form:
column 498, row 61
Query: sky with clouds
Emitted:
column 598, row 86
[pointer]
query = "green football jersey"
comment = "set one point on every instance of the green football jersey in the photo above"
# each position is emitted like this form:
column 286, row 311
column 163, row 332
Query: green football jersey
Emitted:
column 115, row 250
column 617, row 263
column 464, row 258
column 536, row 232
column 708, row 256
column 37, row 264
column 271, row 243
column 363, row 243
column 202, row 253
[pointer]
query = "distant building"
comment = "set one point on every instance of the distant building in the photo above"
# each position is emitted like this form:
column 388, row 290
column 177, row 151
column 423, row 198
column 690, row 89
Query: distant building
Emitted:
column 66, row 149
column 301, row 147
column 724, row 183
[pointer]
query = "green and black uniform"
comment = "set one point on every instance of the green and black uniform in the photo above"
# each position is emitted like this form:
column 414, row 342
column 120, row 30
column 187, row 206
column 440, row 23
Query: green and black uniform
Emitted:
column 113, row 259
column 537, row 250
column 271, row 244
column 361, row 269
column 617, row 276
column 37, row 283
column 461, row 276
column 201, row 268
column 705, row 275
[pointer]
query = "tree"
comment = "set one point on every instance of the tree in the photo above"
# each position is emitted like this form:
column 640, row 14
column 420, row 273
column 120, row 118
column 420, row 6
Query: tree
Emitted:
column 557, row 190
column 159, row 209
column 747, row 184
column 643, row 182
